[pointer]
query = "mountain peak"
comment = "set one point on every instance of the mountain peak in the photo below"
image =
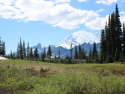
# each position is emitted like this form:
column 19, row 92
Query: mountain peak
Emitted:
column 79, row 37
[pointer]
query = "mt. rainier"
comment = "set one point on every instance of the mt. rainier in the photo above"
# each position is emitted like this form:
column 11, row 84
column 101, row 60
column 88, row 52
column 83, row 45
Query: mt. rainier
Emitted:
column 79, row 37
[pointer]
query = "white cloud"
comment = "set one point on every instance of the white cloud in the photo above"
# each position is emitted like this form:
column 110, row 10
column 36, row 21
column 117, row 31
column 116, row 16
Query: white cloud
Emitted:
column 100, row 10
column 62, row 1
column 123, row 1
column 107, row 2
column 56, row 14
column 83, row 0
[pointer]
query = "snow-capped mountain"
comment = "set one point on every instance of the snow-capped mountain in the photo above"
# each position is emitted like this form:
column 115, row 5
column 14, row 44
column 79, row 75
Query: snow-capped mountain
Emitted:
column 79, row 37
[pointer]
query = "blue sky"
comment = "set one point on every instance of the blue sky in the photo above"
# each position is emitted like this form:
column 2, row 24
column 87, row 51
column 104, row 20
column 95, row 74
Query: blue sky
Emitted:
column 50, row 21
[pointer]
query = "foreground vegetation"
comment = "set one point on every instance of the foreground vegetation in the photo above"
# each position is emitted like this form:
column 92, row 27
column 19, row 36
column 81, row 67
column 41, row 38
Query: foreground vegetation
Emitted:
column 36, row 77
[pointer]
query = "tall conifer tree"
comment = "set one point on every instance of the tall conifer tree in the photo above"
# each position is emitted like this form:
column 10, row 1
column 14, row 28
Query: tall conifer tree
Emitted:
column 118, row 31
column 28, row 51
column 71, row 50
column 76, row 53
column 123, row 40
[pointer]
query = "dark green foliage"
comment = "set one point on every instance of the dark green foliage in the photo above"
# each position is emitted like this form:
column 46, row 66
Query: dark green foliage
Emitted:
column 49, row 52
column 44, row 52
column 80, row 52
column 83, row 54
column 113, row 39
column 90, row 56
column 3, row 49
column 21, row 50
column 11, row 55
column 102, row 47
column 76, row 53
column 28, row 51
column 24, row 50
column 43, row 56
column 121, row 59
column 118, row 31
column 31, row 53
column 94, row 51
column 71, row 50
column 18, row 51
column 123, row 40
column 36, row 55
column 116, row 58
column 59, row 54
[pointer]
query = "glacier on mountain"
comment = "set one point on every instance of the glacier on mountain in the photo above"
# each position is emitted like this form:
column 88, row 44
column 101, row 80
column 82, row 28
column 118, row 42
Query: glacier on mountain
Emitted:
column 79, row 37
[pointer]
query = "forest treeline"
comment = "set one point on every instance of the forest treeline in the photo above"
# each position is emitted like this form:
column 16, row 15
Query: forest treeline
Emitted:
column 112, row 45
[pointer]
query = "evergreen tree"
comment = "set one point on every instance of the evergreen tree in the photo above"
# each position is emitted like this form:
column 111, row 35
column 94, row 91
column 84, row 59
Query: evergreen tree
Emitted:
column 121, row 59
column 31, row 53
column 76, row 54
column 44, row 52
column 3, row 48
column 118, row 31
column 59, row 54
column 83, row 54
column 79, row 51
column 90, row 56
column 28, row 51
column 18, row 51
column 71, row 50
column 21, row 50
column 11, row 55
column 36, row 55
column 24, row 50
column 123, row 40
column 102, row 47
column 43, row 56
column 94, row 51
column 116, row 58
column 49, row 52
column 113, row 35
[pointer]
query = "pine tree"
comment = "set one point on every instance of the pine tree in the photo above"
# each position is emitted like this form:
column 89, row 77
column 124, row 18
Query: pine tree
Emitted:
column 31, row 53
column 79, row 51
column 42, row 56
column 59, row 54
column 121, row 59
column 18, row 51
column 83, row 54
column 24, row 50
column 44, row 52
column 11, row 55
column 116, row 58
column 28, row 51
column 71, row 50
column 113, row 35
column 94, row 51
column 123, row 40
column 76, row 54
column 90, row 56
column 102, row 47
column 49, row 52
column 36, row 53
column 3, row 48
column 21, row 50
column 118, row 31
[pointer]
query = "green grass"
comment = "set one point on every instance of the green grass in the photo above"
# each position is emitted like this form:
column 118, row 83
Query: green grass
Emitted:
column 36, row 77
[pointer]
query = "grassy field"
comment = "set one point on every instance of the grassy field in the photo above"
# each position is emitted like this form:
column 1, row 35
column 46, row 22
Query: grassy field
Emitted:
column 36, row 77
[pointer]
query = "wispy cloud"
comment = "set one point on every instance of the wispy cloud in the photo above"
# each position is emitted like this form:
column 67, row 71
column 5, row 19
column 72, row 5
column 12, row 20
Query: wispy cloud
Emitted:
column 100, row 10
column 122, row 1
column 83, row 0
column 107, row 2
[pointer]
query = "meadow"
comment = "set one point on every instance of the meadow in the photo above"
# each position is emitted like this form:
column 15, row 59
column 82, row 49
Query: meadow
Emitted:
column 37, row 77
